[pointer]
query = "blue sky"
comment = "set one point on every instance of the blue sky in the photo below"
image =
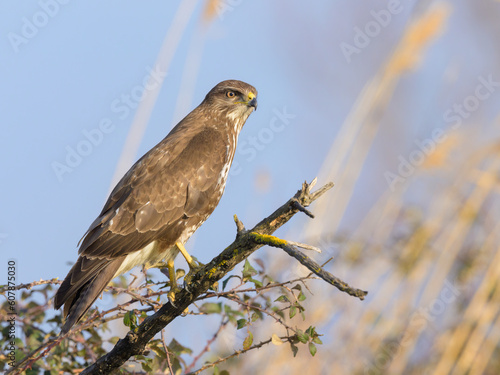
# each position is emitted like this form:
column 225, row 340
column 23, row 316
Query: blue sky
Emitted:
column 64, row 81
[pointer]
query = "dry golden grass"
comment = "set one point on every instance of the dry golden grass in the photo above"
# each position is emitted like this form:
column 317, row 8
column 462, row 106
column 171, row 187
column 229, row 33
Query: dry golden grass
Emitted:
column 432, row 270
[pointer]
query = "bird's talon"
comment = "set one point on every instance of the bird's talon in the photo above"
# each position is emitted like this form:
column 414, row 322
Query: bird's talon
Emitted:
column 173, row 304
column 171, row 294
column 195, row 266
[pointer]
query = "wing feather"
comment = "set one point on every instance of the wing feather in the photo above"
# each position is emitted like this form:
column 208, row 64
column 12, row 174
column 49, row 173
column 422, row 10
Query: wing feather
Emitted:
column 158, row 195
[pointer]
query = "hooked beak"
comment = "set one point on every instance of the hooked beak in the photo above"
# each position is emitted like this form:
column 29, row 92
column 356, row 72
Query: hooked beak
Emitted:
column 252, row 100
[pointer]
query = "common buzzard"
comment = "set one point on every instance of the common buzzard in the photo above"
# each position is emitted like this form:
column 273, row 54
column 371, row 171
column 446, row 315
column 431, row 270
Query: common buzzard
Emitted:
column 161, row 200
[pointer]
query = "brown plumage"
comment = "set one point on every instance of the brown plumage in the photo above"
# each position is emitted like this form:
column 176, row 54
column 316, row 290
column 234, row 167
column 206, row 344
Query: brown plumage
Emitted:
column 162, row 199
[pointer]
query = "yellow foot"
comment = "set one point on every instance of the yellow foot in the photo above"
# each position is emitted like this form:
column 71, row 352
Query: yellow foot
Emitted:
column 171, row 297
column 172, row 292
column 172, row 276
column 192, row 272
column 194, row 265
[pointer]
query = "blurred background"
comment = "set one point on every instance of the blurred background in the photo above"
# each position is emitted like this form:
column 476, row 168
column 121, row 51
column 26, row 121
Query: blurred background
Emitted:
column 396, row 102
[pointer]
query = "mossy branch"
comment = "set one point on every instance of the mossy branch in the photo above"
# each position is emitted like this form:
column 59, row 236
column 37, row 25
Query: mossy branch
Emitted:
column 245, row 244
column 265, row 239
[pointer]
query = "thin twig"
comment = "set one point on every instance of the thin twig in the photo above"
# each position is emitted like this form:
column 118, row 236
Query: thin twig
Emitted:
column 4, row 288
column 237, row 353
column 166, row 352
column 305, row 246
column 269, row 240
column 264, row 311
column 256, row 289
column 207, row 346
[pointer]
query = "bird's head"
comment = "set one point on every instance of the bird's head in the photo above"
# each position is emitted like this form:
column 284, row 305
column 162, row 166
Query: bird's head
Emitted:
column 234, row 99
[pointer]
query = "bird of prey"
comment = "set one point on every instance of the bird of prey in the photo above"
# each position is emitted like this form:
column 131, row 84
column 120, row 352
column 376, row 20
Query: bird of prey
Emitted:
column 161, row 201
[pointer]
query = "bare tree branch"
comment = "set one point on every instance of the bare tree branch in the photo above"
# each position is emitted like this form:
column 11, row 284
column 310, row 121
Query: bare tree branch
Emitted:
column 28, row 286
column 245, row 244
column 237, row 353
column 314, row 267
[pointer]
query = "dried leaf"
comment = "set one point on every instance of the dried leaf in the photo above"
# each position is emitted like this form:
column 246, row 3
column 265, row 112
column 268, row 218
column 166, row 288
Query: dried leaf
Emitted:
column 276, row 340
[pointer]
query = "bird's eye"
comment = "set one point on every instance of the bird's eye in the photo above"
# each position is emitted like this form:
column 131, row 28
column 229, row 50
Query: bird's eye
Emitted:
column 230, row 94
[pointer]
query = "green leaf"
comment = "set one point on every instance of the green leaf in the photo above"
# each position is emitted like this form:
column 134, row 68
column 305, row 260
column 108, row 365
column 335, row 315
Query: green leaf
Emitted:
column 317, row 340
column 311, row 331
column 232, row 314
column 303, row 337
column 293, row 311
column 256, row 305
column 256, row 316
column 130, row 320
column 312, row 349
column 294, row 348
column 258, row 284
column 278, row 311
column 146, row 367
column 160, row 352
column 224, row 372
column 248, row 270
column 282, row 298
column 211, row 308
column 176, row 365
column 241, row 323
column 178, row 348
column 301, row 297
column 247, row 343
column 55, row 319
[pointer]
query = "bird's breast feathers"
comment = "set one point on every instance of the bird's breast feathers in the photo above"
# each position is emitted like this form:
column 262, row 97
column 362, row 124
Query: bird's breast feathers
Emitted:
column 147, row 256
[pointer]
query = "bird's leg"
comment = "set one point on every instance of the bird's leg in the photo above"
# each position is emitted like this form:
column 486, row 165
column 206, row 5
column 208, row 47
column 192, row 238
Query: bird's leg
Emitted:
column 172, row 274
column 173, row 280
column 194, row 265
